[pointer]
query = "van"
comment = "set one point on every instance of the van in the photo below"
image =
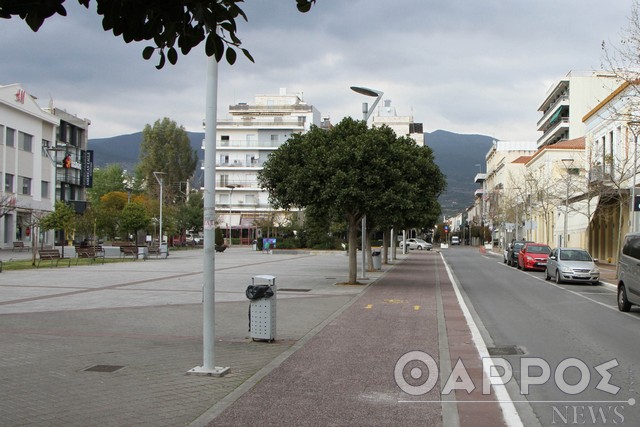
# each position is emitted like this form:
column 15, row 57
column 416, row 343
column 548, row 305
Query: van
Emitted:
column 629, row 272
column 455, row 240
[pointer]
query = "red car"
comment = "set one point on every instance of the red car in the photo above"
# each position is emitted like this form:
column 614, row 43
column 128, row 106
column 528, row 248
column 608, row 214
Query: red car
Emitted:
column 533, row 256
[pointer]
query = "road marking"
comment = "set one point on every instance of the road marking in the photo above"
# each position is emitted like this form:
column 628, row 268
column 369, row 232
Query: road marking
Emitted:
column 416, row 307
column 396, row 301
column 368, row 306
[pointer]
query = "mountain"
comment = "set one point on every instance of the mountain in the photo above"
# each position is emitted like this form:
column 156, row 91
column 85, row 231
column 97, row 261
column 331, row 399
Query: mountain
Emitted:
column 457, row 156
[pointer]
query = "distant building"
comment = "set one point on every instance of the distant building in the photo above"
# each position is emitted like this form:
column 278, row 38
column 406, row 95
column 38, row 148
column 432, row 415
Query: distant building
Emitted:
column 43, row 157
column 567, row 101
column 244, row 141
column 401, row 125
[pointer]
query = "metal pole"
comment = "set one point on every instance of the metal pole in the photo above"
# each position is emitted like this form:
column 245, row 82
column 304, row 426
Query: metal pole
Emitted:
column 633, row 194
column 161, row 202
column 208, row 330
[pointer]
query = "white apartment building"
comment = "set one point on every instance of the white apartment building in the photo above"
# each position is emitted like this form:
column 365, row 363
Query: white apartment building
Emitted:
column 502, row 187
column 243, row 142
column 43, row 158
column 401, row 125
column 567, row 101
column 612, row 156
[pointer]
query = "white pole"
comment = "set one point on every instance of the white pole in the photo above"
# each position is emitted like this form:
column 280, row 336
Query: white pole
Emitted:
column 208, row 310
column 161, row 201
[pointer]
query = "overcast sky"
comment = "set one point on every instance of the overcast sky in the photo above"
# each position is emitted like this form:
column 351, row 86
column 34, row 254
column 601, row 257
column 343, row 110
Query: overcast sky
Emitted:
column 465, row 66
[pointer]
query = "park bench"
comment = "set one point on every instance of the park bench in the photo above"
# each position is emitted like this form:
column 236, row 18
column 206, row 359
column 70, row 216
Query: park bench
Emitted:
column 51, row 255
column 19, row 246
column 129, row 250
column 89, row 252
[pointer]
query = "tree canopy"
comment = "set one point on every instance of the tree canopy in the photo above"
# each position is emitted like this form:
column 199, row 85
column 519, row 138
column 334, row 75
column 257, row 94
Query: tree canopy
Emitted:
column 166, row 148
column 352, row 170
column 170, row 25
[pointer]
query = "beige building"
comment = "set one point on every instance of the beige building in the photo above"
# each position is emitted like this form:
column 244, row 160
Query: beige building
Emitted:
column 401, row 125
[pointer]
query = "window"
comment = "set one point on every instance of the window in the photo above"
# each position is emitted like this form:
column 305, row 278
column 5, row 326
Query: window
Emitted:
column 224, row 180
column 10, row 137
column 1, row 134
column 224, row 140
column 8, row 183
column 24, row 141
column 274, row 138
column 224, row 159
column 25, row 185
column 44, row 189
column 224, row 199
column 45, row 146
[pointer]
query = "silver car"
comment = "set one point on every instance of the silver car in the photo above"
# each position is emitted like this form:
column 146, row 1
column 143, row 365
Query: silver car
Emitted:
column 417, row 244
column 629, row 272
column 572, row 265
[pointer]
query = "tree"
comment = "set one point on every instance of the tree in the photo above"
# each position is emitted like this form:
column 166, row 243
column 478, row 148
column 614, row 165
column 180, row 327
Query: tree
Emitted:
column 344, row 173
column 168, row 24
column 133, row 218
column 106, row 180
column 7, row 204
column 166, row 148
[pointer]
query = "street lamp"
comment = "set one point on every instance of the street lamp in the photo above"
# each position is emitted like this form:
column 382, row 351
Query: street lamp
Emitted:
column 366, row 113
column 160, row 179
column 567, row 164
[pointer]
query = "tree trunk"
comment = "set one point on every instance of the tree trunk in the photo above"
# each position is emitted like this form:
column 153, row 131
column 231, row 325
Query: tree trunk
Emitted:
column 385, row 246
column 353, row 250
column 369, row 255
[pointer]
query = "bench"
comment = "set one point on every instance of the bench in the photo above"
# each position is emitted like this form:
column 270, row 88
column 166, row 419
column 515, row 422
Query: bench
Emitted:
column 89, row 252
column 51, row 255
column 19, row 246
column 129, row 250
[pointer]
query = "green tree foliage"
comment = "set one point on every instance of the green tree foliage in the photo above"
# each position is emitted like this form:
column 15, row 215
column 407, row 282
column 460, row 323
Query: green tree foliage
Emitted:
column 106, row 180
column 189, row 215
column 166, row 148
column 169, row 25
column 350, row 171
column 133, row 218
column 62, row 218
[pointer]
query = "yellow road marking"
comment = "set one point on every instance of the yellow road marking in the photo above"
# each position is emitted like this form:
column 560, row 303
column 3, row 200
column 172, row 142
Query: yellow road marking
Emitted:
column 368, row 306
column 416, row 307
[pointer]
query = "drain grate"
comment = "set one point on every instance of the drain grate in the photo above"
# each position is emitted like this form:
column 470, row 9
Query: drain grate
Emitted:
column 293, row 290
column 104, row 368
column 505, row 350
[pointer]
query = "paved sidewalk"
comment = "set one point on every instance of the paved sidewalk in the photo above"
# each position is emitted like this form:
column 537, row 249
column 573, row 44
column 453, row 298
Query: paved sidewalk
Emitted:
column 110, row 345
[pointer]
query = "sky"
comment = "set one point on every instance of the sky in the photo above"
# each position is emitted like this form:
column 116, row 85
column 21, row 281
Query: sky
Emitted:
column 465, row 66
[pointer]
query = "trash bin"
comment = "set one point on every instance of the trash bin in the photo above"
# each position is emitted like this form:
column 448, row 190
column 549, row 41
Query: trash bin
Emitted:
column 164, row 250
column 262, row 307
column 377, row 260
column 255, row 245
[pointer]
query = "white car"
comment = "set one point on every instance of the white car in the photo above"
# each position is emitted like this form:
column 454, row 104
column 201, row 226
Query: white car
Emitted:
column 417, row 244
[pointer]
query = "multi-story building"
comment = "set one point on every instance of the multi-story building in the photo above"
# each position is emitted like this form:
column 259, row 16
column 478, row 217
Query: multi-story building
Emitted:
column 43, row 157
column 243, row 143
column 567, row 101
column 401, row 125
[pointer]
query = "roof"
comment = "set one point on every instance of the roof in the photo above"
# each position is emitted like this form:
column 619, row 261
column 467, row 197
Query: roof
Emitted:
column 567, row 144
column 608, row 99
column 522, row 159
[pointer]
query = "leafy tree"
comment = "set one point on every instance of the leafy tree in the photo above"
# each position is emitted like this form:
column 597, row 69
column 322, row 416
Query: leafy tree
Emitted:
column 344, row 173
column 189, row 215
column 133, row 218
column 166, row 148
column 170, row 25
column 106, row 180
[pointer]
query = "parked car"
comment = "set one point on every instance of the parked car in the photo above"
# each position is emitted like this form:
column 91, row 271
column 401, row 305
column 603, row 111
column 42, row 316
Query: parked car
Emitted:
column 455, row 240
column 533, row 256
column 629, row 272
column 417, row 244
column 572, row 265
column 514, row 250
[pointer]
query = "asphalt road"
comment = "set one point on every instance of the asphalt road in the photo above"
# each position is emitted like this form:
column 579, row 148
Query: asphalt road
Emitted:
column 570, row 332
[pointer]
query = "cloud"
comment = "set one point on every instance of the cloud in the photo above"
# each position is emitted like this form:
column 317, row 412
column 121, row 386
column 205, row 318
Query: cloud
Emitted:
column 464, row 66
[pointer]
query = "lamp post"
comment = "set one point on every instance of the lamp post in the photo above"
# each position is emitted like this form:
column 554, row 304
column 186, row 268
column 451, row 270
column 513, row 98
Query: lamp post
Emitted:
column 160, row 179
column 567, row 164
column 366, row 113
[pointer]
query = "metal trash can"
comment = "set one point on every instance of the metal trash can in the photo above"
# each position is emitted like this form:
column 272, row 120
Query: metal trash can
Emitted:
column 164, row 250
column 377, row 260
column 262, row 307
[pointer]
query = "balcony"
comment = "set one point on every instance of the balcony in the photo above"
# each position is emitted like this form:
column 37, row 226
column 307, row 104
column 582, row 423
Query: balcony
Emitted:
column 555, row 133
column 561, row 103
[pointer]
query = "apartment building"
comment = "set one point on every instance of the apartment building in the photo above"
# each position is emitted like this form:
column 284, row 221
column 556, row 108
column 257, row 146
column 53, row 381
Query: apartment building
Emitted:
column 401, row 125
column 244, row 140
column 567, row 101
column 43, row 158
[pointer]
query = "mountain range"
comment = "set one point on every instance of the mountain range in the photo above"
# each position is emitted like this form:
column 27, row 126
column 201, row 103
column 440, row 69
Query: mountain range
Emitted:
column 460, row 157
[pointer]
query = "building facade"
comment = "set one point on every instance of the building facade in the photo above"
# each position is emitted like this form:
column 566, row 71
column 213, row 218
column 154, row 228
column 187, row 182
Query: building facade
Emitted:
column 401, row 125
column 567, row 101
column 243, row 143
column 43, row 158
